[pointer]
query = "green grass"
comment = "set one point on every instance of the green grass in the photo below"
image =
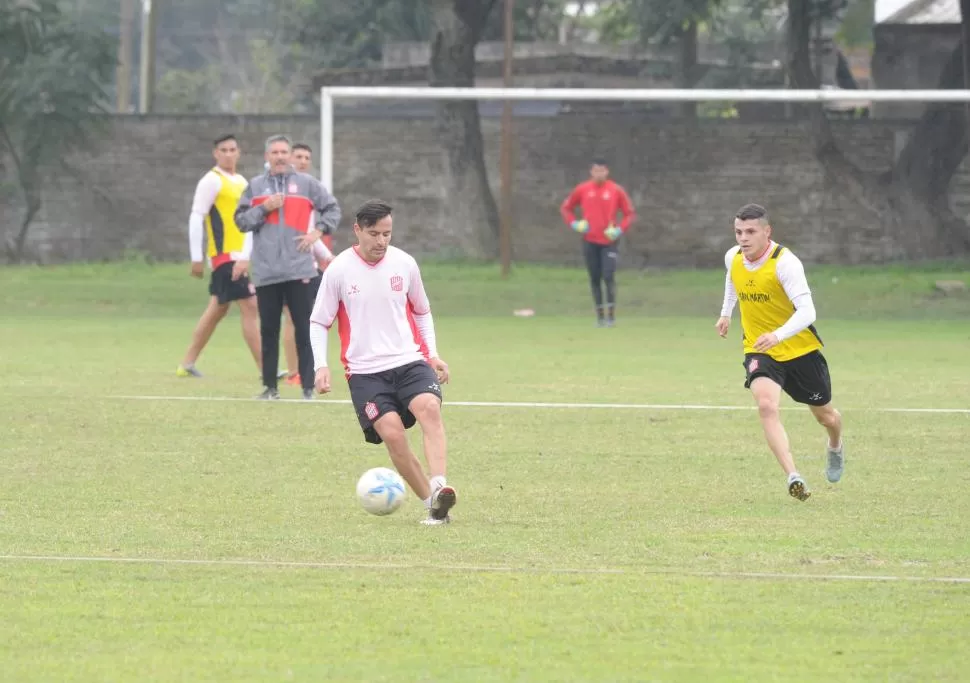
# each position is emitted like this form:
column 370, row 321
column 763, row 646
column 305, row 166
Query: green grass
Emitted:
column 582, row 536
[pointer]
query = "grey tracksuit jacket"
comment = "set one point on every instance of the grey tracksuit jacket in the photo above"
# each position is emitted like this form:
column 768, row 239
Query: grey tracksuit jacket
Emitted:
column 275, row 257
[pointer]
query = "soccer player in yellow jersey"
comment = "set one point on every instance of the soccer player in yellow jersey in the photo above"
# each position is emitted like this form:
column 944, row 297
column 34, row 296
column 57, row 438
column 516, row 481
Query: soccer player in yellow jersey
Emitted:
column 213, row 208
column 781, row 346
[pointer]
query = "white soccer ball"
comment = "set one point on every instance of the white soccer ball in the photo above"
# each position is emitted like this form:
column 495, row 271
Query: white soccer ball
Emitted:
column 381, row 491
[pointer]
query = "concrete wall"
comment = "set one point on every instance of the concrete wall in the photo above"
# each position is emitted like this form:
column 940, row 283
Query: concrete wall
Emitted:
column 132, row 191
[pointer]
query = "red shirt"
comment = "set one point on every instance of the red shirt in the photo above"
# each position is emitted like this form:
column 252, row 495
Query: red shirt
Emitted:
column 600, row 205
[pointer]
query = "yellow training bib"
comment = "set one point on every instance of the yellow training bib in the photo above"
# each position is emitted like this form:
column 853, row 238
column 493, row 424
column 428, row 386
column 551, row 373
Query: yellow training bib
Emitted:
column 220, row 224
column 765, row 307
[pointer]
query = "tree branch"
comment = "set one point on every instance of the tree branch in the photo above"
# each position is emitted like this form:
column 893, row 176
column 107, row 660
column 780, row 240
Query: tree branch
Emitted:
column 938, row 145
column 802, row 77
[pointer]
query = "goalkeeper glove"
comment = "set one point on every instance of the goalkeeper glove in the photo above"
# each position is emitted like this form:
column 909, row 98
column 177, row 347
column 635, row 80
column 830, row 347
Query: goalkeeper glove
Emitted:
column 613, row 233
column 582, row 227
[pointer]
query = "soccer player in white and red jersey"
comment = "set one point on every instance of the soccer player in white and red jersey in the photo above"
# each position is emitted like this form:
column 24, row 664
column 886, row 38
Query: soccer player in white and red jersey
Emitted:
column 375, row 294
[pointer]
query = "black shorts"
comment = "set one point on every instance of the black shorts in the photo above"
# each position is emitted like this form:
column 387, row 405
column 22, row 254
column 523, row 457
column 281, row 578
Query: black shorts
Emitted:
column 390, row 391
column 805, row 379
column 225, row 289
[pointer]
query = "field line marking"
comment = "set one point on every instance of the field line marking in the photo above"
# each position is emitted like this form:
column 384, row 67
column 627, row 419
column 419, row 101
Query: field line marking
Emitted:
column 539, row 404
column 490, row 569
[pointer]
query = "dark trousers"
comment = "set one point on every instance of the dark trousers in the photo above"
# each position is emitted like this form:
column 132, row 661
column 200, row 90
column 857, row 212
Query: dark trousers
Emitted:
column 270, row 299
column 601, row 266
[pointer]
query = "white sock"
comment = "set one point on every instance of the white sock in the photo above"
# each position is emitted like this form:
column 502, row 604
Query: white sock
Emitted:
column 793, row 476
column 837, row 449
column 427, row 502
column 437, row 482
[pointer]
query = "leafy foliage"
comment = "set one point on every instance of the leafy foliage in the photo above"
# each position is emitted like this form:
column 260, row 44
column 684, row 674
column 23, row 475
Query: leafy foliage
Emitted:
column 52, row 71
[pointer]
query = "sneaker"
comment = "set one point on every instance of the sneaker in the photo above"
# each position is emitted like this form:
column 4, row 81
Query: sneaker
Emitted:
column 835, row 462
column 187, row 371
column 442, row 501
column 601, row 322
column 797, row 488
column 293, row 380
column 308, row 394
column 610, row 322
column 269, row 395
column 431, row 521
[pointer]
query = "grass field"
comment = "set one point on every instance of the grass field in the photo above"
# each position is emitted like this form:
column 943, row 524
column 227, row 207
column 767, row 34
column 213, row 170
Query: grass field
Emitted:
column 150, row 532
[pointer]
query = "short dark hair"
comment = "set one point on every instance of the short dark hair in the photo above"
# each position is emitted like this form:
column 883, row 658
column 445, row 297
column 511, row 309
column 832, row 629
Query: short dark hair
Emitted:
column 752, row 212
column 599, row 161
column 277, row 138
column 225, row 138
column 302, row 145
column 372, row 211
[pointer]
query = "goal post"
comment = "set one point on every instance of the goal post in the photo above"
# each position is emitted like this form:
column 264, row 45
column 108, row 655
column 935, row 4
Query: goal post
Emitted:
column 330, row 94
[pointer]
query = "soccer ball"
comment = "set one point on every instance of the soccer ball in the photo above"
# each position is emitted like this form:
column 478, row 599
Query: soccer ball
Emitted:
column 381, row 491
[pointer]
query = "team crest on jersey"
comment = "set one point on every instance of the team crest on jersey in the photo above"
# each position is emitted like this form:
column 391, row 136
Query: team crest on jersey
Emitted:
column 397, row 283
column 292, row 189
column 371, row 411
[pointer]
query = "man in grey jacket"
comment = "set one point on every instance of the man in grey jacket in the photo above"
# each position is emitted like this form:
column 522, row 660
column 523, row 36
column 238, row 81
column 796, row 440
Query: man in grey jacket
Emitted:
column 277, row 207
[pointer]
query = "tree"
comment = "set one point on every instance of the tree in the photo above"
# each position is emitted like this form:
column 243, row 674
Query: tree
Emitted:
column 532, row 20
column 663, row 22
column 457, row 27
column 908, row 201
column 52, row 71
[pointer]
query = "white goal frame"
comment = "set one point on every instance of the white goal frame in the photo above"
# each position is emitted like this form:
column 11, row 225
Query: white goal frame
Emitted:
column 329, row 94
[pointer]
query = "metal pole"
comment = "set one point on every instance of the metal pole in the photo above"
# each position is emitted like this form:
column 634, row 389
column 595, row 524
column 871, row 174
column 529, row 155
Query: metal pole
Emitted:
column 326, row 138
column 648, row 94
column 505, row 220
column 123, row 74
column 146, row 90
column 965, row 40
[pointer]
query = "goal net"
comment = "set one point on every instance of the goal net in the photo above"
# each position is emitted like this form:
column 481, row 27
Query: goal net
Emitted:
column 686, row 175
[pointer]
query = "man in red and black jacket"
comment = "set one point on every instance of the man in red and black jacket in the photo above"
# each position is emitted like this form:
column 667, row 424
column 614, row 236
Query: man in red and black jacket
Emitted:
column 601, row 201
column 277, row 207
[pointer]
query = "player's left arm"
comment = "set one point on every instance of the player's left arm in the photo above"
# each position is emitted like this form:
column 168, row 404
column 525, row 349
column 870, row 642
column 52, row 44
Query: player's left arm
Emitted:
column 791, row 275
column 326, row 206
column 421, row 309
column 626, row 207
column 730, row 299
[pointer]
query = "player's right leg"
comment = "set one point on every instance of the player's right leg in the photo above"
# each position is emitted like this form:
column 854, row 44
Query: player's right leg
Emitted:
column 594, row 267
column 289, row 348
column 209, row 320
column 767, row 394
column 392, row 432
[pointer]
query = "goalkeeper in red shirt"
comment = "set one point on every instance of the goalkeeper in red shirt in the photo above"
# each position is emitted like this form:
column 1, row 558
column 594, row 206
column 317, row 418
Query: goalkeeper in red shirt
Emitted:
column 602, row 202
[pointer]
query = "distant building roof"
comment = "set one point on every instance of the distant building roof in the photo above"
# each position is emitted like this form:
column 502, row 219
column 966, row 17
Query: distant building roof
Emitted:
column 921, row 12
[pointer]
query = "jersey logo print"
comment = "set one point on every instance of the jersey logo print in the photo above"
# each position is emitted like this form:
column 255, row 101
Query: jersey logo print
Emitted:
column 371, row 411
column 397, row 283
column 354, row 289
column 293, row 189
